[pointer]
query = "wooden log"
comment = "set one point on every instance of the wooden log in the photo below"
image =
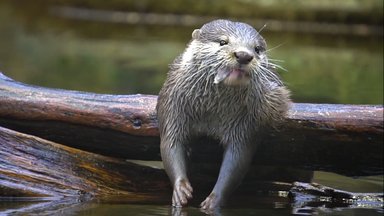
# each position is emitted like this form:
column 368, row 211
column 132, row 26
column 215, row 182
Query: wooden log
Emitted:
column 132, row 114
column 346, row 139
column 305, row 197
column 60, row 177
column 34, row 167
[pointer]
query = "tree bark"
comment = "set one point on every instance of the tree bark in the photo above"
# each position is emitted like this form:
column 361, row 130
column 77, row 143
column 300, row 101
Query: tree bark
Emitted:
column 31, row 166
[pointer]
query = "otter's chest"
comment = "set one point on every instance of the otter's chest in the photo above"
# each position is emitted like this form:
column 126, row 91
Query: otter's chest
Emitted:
column 216, row 115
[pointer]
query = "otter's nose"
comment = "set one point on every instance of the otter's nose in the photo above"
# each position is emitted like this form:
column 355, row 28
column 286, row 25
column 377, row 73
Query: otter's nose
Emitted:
column 243, row 57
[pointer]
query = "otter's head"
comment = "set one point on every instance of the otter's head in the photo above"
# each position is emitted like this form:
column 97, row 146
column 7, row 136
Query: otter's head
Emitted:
column 233, row 51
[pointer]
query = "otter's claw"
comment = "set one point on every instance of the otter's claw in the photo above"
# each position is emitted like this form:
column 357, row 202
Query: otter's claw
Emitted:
column 211, row 203
column 182, row 191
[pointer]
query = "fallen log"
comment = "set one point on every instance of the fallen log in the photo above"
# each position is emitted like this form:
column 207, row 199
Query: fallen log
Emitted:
column 33, row 167
column 346, row 139
column 55, row 178
column 306, row 197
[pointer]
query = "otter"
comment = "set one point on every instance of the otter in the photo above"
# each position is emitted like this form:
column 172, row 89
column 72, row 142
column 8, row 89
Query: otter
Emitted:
column 223, row 86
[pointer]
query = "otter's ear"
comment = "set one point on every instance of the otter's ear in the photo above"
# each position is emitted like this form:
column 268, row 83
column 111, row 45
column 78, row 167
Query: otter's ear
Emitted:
column 196, row 34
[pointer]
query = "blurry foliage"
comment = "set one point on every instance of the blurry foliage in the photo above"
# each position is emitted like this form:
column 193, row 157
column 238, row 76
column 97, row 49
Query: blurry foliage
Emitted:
column 368, row 184
column 331, row 75
column 340, row 11
column 327, row 10
column 126, row 59
column 104, row 66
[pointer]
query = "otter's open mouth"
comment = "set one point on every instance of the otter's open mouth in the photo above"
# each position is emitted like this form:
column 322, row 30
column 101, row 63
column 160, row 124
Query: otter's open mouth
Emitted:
column 232, row 76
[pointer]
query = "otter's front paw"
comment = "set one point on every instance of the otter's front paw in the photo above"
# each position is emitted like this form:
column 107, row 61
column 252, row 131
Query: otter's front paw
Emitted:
column 211, row 203
column 182, row 191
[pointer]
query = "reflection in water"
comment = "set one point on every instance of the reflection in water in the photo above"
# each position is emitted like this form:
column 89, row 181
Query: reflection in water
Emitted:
column 38, row 206
column 273, row 204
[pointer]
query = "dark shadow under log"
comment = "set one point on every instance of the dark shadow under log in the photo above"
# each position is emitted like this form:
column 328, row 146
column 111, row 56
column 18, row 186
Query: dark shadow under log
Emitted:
column 346, row 139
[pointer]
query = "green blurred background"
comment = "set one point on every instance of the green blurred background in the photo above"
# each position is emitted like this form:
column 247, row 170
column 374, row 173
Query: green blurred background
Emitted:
column 332, row 50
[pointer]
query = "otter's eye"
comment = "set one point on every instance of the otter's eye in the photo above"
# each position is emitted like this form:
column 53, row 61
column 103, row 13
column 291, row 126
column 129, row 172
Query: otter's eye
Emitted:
column 259, row 49
column 223, row 42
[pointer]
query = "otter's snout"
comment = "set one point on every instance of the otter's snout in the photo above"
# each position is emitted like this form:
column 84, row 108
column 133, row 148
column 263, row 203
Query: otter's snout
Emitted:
column 243, row 57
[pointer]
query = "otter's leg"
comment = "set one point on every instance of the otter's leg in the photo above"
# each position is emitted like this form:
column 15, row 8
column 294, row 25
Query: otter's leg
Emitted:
column 174, row 158
column 236, row 161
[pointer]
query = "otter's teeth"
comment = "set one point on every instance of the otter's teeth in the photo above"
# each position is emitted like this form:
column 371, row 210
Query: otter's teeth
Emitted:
column 221, row 75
